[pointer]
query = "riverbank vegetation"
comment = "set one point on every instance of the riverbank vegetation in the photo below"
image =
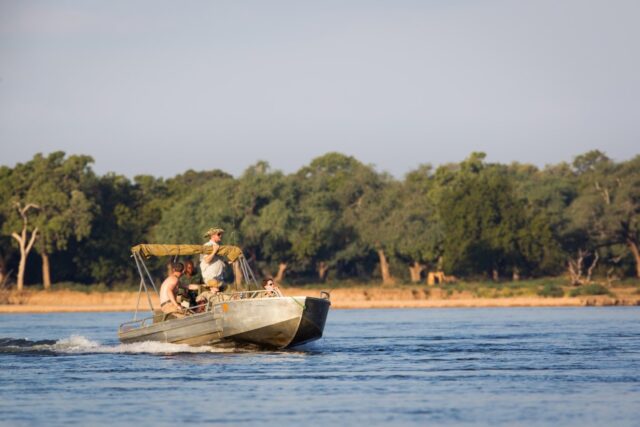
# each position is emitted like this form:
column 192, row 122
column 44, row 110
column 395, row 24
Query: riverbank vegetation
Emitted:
column 553, row 292
column 334, row 220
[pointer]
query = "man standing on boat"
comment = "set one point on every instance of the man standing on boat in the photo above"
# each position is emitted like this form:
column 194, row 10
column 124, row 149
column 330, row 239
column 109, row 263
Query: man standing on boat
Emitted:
column 168, row 291
column 212, row 266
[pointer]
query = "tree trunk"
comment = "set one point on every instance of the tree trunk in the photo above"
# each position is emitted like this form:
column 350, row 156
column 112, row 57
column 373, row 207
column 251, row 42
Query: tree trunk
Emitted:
column 593, row 265
column 46, row 271
column 495, row 275
column 282, row 267
column 636, row 254
column 322, row 268
column 575, row 268
column 25, row 247
column 415, row 270
column 516, row 274
column 21, row 267
column 387, row 279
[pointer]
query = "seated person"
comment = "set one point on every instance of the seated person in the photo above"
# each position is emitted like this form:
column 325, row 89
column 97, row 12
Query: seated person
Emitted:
column 190, row 283
column 168, row 291
column 213, row 287
column 271, row 287
column 191, row 276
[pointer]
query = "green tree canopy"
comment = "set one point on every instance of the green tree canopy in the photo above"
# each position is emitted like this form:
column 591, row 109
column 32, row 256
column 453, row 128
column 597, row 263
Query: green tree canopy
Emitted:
column 57, row 185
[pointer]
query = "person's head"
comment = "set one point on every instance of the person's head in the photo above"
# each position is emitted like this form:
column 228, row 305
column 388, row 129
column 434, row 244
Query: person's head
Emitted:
column 214, row 234
column 177, row 268
column 189, row 268
column 267, row 282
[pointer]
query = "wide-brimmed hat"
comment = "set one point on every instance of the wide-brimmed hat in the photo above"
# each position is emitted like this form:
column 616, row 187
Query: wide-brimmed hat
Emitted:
column 210, row 232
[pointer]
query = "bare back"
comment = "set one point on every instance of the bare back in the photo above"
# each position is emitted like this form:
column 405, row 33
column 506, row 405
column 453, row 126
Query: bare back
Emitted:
column 169, row 285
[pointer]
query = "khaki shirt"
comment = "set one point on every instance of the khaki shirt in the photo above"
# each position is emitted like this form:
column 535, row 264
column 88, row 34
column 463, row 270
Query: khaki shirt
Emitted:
column 213, row 271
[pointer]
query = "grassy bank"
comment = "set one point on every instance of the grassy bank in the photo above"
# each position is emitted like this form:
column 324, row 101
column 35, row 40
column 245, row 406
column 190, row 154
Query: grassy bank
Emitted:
column 529, row 293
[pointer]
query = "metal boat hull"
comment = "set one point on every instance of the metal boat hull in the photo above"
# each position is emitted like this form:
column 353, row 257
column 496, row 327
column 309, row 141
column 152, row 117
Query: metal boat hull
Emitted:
column 278, row 322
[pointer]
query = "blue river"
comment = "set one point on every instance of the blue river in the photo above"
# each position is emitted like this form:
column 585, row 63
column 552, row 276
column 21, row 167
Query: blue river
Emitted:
column 503, row 366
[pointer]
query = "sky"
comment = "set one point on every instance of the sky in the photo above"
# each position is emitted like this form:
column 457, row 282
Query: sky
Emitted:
column 160, row 87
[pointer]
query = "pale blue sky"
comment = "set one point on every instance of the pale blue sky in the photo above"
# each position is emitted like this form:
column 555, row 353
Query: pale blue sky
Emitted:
column 159, row 87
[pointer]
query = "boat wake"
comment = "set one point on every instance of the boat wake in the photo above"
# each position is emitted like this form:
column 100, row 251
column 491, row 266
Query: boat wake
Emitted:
column 77, row 344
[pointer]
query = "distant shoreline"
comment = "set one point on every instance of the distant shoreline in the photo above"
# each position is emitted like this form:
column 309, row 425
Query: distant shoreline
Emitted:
column 64, row 301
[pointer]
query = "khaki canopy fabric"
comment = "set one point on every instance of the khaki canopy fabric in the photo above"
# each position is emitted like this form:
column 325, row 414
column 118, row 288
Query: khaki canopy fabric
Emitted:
column 232, row 253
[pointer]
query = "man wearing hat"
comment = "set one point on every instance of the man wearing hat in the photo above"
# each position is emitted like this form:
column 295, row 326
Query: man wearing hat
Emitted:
column 211, row 265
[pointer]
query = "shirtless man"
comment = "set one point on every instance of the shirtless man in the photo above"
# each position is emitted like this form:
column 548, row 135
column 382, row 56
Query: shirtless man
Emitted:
column 168, row 291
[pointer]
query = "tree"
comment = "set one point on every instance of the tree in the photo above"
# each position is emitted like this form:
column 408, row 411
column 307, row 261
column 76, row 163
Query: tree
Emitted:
column 607, row 209
column 374, row 220
column 625, row 208
column 481, row 217
column 545, row 194
column 317, row 234
column 6, row 248
column 124, row 215
column 66, row 212
column 332, row 192
column 185, row 220
column 417, row 231
column 25, row 241
column 263, row 209
column 57, row 185
column 323, row 238
column 14, row 219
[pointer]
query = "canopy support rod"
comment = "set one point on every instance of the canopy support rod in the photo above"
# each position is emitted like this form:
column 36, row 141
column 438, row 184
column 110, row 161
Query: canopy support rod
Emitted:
column 253, row 278
column 148, row 275
column 249, row 278
column 245, row 275
column 135, row 315
column 142, row 281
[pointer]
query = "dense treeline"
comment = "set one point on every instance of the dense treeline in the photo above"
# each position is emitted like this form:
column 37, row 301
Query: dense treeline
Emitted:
column 335, row 218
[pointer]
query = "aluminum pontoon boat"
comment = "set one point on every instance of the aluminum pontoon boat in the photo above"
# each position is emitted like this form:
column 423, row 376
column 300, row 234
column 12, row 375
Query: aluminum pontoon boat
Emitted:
column 246, row 315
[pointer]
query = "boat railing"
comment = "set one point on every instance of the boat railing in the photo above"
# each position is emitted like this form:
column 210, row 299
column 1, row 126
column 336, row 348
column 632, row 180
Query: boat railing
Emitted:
column 242, row 295
column 135, row 324
column 203, row 308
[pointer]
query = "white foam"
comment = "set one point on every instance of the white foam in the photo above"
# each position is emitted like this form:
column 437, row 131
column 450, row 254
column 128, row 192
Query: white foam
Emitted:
column 77, row 344
column 74, row 343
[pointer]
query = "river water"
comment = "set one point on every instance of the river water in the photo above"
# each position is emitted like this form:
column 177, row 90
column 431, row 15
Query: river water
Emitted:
column 504, row 366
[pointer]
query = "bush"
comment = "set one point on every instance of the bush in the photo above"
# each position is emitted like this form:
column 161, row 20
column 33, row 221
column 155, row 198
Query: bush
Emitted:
column 592, row 289
column 551, row 290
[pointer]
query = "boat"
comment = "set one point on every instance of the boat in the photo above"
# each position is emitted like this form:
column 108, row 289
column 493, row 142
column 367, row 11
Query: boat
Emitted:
column 246, row 314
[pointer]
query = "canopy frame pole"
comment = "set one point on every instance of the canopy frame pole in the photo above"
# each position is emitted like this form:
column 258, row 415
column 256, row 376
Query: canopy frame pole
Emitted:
column 148, row 274
column 253, row 278
column 249, row 278
column 142, row 281
column 245, row 275
column 135, row 315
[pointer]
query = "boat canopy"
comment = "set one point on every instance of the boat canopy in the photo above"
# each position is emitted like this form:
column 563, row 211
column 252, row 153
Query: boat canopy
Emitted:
column 232, row 253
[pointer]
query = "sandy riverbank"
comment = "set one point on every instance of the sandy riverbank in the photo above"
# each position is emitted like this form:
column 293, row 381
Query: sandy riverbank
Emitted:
column 347, row 298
